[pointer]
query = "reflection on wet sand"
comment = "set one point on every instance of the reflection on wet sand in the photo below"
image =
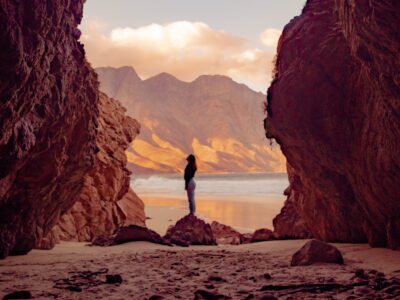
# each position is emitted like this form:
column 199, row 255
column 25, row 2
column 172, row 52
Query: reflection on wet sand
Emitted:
column 244, row 215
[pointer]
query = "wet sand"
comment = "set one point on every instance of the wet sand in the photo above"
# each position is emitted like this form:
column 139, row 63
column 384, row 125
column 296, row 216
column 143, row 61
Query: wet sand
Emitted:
column 237, row 212
column 238, row 272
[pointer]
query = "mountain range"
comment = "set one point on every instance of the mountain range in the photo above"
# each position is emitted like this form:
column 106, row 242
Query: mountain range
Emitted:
column 217, row 119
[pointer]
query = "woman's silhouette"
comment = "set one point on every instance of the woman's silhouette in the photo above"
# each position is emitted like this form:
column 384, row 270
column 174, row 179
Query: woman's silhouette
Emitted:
column 190, row 184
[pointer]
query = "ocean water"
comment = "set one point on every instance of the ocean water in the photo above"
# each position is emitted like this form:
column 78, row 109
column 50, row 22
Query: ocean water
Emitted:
column 243, row 201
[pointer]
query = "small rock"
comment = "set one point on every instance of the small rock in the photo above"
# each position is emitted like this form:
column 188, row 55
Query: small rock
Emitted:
column 156, row 297
column 267, row 297
column 316, row 251
column 380, row 283
column 380, row 274
column 103, row 241
column 74, row 288
column 253, row 278
column 262, row 235
column 360, row 273
column 224, row 234
column 245, row 238
column 363, row 290
column 210, row 286
column 267, row 276
column 216, row 278
column 249, row 297
column 206, row 295
column 18, row 295
column 114, row 279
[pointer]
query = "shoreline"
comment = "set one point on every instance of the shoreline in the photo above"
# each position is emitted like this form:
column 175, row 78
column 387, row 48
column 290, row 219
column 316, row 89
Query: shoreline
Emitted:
column 244, row 216
column 202, row 175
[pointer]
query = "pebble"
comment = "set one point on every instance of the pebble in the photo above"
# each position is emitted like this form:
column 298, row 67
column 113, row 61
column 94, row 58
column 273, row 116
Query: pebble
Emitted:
column 156, row 297
column 18, row 295
column 216, row 278
column 363, row 290
column 267, row 276
column 267, row 297
column 74, row 288
column 114, row 279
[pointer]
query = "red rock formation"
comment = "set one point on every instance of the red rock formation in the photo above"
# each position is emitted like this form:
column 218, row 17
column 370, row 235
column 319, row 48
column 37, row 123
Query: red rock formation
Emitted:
column 106, row 202
column 334, row 107
column 315, row 251
column 131, row 233
column 262, row 235
column 138, row 233
column 225, row 234
column 48, row 112
column 190, row 230
column 245, row 238
column 288, row 223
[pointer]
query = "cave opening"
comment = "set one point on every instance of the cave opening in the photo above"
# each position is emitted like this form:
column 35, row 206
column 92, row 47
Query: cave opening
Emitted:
column 196, row 85
column 66, row 150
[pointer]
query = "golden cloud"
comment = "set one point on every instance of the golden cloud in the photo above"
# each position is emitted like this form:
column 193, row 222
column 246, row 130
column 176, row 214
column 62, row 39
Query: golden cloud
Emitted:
column 270, row 37
column 183, row 49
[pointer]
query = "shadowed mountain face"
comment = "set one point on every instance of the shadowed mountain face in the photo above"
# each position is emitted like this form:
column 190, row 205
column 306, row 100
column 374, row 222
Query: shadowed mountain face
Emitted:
column 217, row 119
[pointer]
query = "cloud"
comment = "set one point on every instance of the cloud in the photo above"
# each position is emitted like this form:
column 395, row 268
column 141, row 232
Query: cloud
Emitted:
column 270, row 37
column 184, row 49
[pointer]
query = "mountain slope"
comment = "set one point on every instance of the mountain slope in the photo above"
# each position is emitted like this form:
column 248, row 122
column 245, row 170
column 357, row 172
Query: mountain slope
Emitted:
column 217, row 119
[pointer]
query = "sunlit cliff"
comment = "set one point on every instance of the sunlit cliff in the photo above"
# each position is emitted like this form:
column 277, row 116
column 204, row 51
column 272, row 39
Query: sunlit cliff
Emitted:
column 213, row 117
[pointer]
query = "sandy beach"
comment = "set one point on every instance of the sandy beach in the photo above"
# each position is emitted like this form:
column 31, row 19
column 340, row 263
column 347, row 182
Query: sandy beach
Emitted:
column 150, row 270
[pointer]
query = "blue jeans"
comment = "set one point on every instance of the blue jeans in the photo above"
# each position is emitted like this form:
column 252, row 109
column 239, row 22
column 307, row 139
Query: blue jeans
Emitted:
column 190, row 193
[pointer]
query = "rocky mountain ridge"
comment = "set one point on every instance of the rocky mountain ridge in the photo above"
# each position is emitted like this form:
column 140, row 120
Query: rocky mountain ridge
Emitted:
column 213, row 117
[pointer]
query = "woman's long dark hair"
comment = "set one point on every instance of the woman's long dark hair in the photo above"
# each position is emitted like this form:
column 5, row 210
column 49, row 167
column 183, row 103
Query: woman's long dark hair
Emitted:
column 192, row 161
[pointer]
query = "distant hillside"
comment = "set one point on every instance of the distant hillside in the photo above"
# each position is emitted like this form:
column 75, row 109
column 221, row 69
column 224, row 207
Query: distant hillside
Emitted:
column 217, row 119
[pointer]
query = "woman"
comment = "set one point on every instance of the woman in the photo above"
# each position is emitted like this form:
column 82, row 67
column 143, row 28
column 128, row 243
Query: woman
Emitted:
column 190, row 184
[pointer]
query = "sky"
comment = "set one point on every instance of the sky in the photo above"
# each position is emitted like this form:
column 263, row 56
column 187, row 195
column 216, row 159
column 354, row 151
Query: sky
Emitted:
column 186, row 38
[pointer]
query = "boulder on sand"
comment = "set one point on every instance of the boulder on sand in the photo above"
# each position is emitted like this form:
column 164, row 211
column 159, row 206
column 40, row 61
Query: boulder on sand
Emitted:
column 262, row 235
column 138, row 233
column 131, row 233
column 225, row 234
column 316, row 251
column 190, row 230
column 245, row 238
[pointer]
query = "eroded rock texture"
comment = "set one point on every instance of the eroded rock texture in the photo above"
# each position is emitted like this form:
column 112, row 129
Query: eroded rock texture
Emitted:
column 106, row 201
column 131, row 233
column 224, row 234
column 288, row 223
column 48, row 112
column 315, row 251
column 334, row 107
column 190, row 230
